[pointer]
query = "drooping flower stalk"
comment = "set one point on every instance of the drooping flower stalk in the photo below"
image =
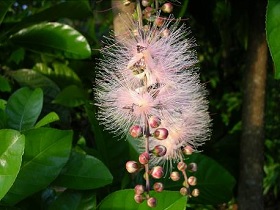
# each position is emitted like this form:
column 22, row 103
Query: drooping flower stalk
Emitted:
column 148, row 87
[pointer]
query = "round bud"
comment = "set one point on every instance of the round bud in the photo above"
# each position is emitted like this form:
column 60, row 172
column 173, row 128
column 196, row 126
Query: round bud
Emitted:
column 131, row 166
column 138, row 198
column 152, row 202
column 160, row 133
column 192, row 167
column 126, row 2
column 158, row 187
column 184, row 191
column 148, row 11
column 175, row 176
column 187, row 150
column 195, row 193
column 144, row 158
column 181, row 166
column 167, row 7
column 157, row 172
column 159, row 150
column 165, row 33
column 159, row 21
column 145, row 3
column 154, row 121
column 139, row 189
column 192, row 180
column 136, row 131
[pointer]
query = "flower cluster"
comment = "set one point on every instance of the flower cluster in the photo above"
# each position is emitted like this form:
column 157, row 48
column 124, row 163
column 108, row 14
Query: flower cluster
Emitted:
column 148, row 87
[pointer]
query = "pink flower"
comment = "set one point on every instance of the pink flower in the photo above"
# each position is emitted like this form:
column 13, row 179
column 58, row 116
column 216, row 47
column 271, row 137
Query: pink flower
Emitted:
column 150, row 73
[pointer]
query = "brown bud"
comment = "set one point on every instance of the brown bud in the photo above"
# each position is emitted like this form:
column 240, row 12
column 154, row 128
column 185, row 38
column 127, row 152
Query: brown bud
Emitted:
column 157, row 172
column 131, row 166
column 152, row 202
column 181, row 166
column 138, row 198
column 158, row 187
column 139, row 189
column 160, row 133
column 144, row 158
column 175, row 176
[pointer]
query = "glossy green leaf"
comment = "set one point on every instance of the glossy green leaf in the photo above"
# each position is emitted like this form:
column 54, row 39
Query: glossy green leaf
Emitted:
column 33, row 79
column 84, row 172
column 61, row 74
column 124, row 199
column 11, row 150
column 273, row 33
column 71, row 96
column 49, row 118
column 4, row 84
column 23, row 108
column 46, row 152
column 53, row 38
column 3, row 104
column 4, row 7
column 74, row 200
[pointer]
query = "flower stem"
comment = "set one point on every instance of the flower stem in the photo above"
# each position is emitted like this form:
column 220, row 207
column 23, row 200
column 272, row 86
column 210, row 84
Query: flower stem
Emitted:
column 139, row 13
column 147, row 135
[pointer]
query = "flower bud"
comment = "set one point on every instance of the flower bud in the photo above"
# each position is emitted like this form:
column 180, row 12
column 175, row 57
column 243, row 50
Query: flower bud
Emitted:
column 158, row 187
column 192, row 167
column 192, row 180
column 136, row 131
column 152, row 202
column 161, row 133
column 157, row 172
column 138, row 198
column 131, row 166
column 139, row 189
column 159, row 150
column 145, row 3
column 175, row 176
column 187, row 150
column 184, row 191
column 165, row 33
column 126, row 2
column 159, row 21
column 181, row 166
column 167, row 7
column 148, row 11
column 144, row 158
column 154, row 121
column 195, row 193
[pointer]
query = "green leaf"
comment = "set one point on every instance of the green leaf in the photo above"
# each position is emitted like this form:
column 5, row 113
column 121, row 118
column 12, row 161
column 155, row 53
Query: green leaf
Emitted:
column 49, row 118
column 4, row 84
column 11, row 151
column 84, row 172
column 17, row 56
column 3, row 104
column 124, row 199
column 4, row 7
column 53, row 38
column 273, row 33
column 61, row 74
column 33, row 79
column 73, row 200
column 23, row 108
column 71, row 96
column 46, row 152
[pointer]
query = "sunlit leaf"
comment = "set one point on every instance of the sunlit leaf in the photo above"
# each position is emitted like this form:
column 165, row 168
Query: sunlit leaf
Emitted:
column 124, row 199
column 49, row 118
column 273, row 33
column 53, row 38
column 11, row 151
column 46, row 152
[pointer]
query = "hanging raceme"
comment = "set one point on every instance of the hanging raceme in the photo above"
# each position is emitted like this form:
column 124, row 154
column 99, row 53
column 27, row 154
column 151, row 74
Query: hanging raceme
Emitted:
column 148, row 87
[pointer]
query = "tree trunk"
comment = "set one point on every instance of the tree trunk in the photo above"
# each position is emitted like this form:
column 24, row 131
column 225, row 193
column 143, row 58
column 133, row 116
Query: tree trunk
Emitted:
column 250, row 191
